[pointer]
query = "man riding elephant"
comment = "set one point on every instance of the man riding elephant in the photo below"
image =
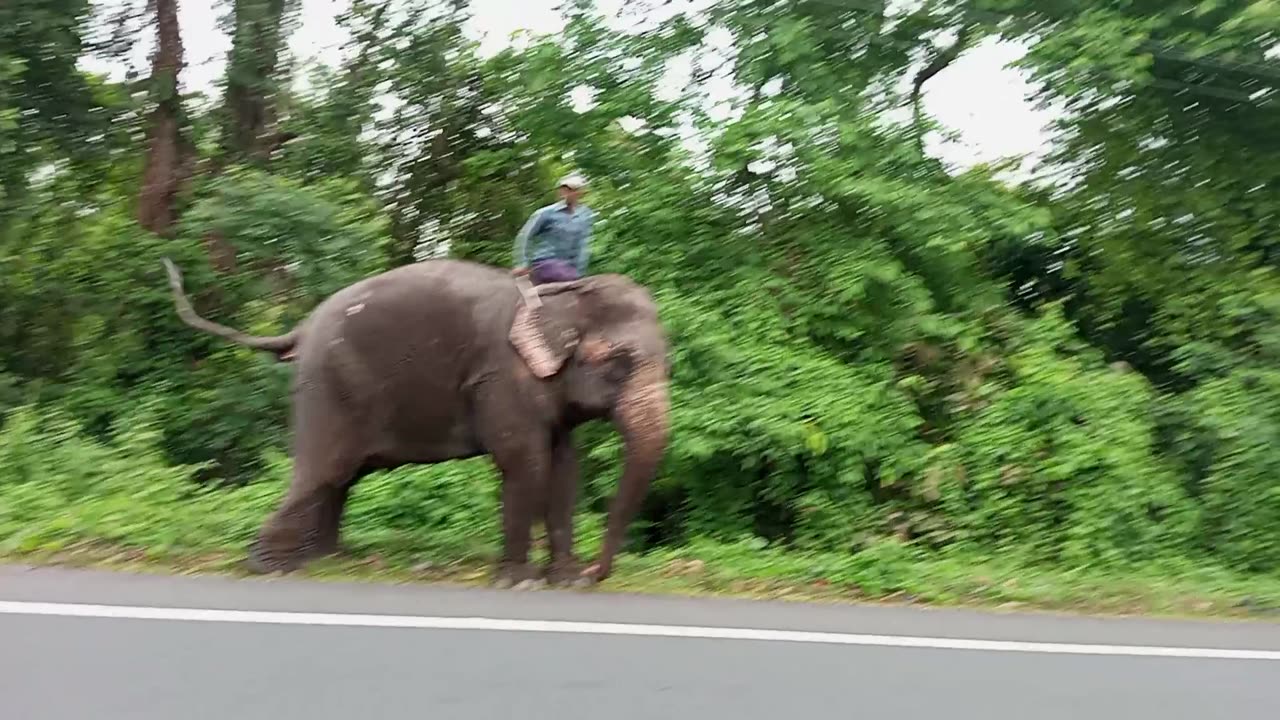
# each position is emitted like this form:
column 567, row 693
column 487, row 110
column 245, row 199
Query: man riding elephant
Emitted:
column 554, row 244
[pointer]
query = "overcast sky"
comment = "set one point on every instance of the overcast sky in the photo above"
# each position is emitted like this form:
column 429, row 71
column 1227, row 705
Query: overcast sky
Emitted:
column 981, row 99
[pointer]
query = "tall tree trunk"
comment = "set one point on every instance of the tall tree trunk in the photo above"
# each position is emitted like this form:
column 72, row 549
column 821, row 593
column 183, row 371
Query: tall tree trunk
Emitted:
column 162, row 177
column 249, row 131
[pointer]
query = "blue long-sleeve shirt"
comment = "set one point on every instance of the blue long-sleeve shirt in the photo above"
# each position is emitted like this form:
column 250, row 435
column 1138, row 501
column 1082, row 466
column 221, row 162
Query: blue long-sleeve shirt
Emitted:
column 557, row 232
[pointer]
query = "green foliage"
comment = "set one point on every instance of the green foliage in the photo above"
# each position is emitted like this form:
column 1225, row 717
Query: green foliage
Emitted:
column 323, row 236
column 879, row 363
column 1222, row 437
column 447, row 509
column 90, row 323
column 46, row 105
column 61, row 488
column 1056, row 462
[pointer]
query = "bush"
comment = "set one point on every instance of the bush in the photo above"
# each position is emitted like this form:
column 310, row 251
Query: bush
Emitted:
column 1058, row 464
column 60, row 487
column 1224, row 437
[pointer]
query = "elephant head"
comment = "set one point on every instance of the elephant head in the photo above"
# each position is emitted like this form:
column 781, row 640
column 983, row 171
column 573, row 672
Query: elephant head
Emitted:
column 600, row 342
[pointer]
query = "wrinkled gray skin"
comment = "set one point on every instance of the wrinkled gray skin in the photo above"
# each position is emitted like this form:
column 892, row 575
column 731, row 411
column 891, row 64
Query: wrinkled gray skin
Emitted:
column 446, row 359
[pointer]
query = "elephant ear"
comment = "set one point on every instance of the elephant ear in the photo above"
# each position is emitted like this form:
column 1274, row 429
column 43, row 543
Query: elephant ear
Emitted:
column 540, row 335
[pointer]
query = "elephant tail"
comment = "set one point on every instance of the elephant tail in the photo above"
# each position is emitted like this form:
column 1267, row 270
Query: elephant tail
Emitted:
column 281, row 345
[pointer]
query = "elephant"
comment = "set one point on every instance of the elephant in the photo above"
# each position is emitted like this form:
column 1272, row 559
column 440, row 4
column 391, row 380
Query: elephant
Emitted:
column 448, row 359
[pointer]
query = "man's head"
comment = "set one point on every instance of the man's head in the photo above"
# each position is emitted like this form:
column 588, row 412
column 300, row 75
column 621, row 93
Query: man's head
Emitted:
column 572, row 187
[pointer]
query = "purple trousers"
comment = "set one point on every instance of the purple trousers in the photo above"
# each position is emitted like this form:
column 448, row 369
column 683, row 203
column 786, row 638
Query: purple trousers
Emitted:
column 549, row 271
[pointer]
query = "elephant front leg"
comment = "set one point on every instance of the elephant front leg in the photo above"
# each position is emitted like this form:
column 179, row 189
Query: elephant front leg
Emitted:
column 523, row 465
column 562, row 489
column 519, row 443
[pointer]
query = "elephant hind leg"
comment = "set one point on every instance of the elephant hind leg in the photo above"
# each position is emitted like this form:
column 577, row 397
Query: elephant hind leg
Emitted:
column 306, row 523
column 331, row 508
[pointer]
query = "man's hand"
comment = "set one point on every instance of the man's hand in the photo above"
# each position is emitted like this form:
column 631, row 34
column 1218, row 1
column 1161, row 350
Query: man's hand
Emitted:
column 520, row 271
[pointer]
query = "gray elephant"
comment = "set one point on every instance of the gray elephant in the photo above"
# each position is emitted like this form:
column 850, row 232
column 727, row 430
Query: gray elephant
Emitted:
column 447, row 359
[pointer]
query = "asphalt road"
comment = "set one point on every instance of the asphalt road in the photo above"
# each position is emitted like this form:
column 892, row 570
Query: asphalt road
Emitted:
column 80, row 645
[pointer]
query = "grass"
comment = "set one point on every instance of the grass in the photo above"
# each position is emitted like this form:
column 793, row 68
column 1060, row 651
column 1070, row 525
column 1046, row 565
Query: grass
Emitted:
column 724, row 570
column 69, row 500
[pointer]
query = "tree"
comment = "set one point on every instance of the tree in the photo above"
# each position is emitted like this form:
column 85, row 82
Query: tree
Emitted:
column 167, row 151
column 872, row 353
column 46, row 103
column 255, row 80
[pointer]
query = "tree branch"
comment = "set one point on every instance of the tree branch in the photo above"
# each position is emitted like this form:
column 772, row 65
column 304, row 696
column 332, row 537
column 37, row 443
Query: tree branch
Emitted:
column 941, row 61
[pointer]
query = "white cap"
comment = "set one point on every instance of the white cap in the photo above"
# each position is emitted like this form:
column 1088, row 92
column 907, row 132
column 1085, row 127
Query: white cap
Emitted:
column 573, row 182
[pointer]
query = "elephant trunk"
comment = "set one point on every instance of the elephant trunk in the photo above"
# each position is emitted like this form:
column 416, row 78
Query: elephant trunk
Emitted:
column 642, row 418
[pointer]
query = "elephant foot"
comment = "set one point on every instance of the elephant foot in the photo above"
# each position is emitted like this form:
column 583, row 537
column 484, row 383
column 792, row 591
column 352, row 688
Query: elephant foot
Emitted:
column 518, row 577
column 568, row 574
column 324, row 550
column 530, row 584
column 260, row 562
column 258, row 566
column 594, row 573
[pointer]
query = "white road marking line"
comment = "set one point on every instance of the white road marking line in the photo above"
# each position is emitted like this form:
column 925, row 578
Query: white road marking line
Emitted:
column 124, row 612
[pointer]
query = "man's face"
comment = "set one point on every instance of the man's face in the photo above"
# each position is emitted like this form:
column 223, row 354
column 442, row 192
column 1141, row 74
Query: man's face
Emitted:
column 569, row 195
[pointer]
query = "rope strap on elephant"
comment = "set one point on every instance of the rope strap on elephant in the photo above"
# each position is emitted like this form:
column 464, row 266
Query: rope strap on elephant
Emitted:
column 527, row 333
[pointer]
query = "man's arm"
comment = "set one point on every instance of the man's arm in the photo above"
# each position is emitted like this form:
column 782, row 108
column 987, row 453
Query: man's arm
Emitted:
column 584, row 245
column 531, row 227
